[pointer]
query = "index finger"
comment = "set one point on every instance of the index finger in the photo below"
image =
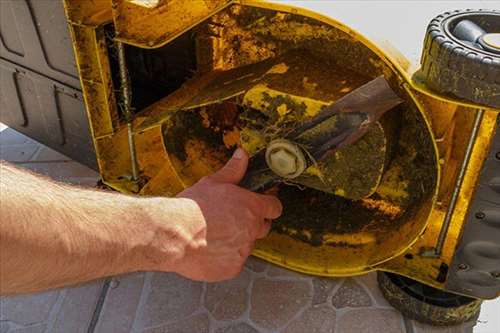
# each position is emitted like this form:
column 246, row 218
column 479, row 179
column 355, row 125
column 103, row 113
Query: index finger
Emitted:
column 271, row 206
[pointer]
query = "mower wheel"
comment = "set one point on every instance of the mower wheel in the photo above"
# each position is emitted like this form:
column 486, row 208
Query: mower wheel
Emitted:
column 427, row 304
column 461, row 55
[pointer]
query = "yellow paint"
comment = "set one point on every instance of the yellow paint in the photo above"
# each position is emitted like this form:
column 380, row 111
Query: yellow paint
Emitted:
column 281, row 68
column 231, row 138
column 252, row 141
column 356, row 241
column 391, row 186
column 146, row 26
column 397, row 192
column 313, row 170
column 256, row 98
column 282, row 110
column 340, row 192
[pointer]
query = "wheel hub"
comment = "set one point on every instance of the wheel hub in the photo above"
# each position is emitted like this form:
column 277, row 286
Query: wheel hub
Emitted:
column 491, row 42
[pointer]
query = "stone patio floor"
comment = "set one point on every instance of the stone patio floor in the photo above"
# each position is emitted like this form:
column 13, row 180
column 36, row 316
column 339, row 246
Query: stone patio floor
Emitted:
column 264, row 298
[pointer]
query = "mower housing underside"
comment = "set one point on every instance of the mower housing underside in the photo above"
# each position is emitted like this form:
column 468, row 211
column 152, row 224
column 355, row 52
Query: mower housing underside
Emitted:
column 218, row 75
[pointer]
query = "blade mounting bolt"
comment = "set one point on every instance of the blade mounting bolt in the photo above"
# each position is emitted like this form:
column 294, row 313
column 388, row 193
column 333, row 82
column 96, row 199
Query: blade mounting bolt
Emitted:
column 285, row 159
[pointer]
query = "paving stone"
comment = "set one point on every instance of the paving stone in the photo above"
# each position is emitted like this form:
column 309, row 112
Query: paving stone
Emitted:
column 119, row 308
column 237, row 328
column 9, row 136
column 256, row 264
column 77, row 308
column 171, row 297
column 228, row 300
column 317, row 319
column 275, row 302
column 31, row 329
column 351, row 294
column 27, row 309
column 322, row 289
column 370, row 282
column 45, row 154
column 6, row 326
column 277, row 271
column 371, row 321
column 18, row 154
column 469, row 326
column 195, row 324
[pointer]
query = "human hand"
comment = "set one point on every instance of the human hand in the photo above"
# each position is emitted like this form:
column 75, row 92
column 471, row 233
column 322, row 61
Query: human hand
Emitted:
column 234, row 219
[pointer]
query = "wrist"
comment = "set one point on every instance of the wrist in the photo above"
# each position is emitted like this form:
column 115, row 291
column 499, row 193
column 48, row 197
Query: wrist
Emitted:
column 167, row 231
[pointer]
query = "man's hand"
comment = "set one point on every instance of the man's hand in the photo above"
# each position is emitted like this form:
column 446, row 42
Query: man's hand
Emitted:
column 234, row 219
column 54, row 235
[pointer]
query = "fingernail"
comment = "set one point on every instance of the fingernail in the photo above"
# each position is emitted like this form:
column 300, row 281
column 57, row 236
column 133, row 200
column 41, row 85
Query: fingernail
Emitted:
column 239, row 154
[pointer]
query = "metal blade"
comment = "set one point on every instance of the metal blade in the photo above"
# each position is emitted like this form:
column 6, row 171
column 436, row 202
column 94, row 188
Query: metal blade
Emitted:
column 342, row 123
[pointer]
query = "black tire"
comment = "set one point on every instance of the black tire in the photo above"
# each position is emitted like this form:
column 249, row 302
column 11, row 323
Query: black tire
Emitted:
column 459, row 68
column 427, row 304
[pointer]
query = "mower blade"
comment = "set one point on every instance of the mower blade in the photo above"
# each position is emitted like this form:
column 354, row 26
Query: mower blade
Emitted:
column 373, row 99
column 339, row 124
column 347, row 120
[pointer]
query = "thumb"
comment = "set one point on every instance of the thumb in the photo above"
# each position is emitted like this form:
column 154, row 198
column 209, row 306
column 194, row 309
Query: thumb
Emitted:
column 234, row 170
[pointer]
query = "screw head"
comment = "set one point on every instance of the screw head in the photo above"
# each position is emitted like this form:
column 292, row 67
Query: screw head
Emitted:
column 492, row 40
column 285, row 159
column 497, row 155
column 463, row 266
column 480, row 215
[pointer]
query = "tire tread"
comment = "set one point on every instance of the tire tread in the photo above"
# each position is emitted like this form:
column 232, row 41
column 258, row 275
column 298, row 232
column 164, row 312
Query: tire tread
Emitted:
column 451, row 68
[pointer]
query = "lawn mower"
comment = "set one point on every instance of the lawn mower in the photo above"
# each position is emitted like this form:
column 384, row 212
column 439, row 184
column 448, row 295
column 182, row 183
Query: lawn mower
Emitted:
column 380, row 167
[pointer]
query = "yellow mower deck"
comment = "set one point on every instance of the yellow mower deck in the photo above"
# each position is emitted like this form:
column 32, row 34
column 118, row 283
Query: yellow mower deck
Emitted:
column 395, row 219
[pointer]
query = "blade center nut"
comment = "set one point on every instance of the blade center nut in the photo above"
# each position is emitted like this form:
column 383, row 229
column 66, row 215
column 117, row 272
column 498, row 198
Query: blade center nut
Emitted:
column 285, row 159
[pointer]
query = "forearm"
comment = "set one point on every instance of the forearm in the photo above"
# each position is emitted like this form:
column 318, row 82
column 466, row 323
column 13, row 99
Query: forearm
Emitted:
column 53, row 235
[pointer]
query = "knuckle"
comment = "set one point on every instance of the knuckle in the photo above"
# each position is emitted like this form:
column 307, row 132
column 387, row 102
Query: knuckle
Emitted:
column 197, row 244
column 176, row 253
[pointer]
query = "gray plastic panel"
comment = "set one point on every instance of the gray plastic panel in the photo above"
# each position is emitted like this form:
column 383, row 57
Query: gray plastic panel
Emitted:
column 46, row 110
column 475, row 270
column 34, row 34
column 39, row 88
